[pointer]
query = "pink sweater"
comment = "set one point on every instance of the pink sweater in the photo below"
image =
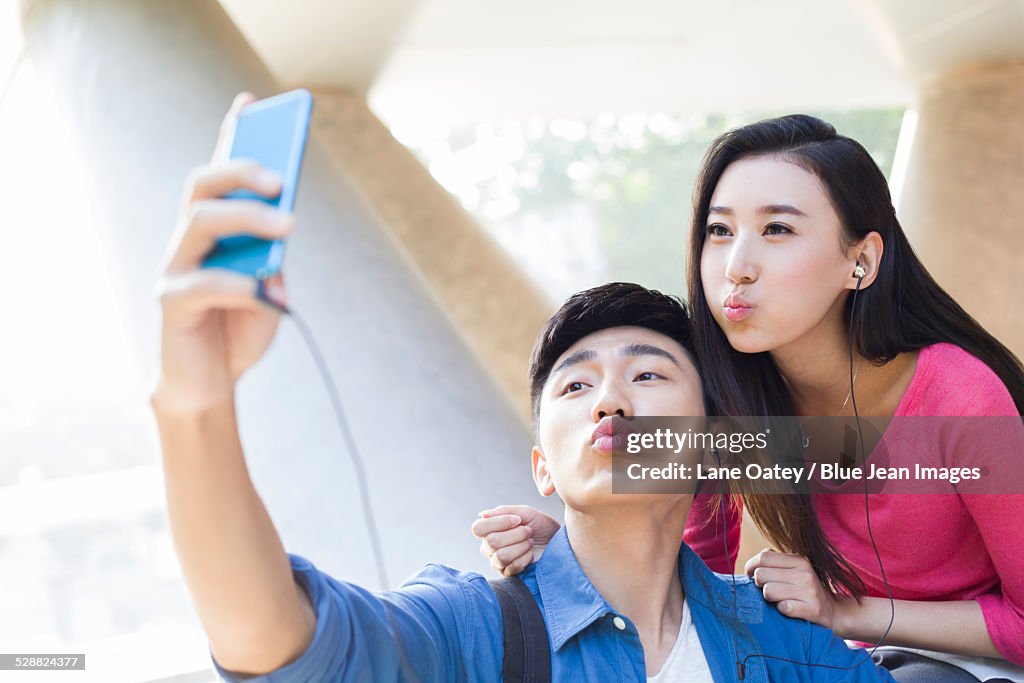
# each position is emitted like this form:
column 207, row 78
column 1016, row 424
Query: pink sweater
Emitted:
column 934, row 547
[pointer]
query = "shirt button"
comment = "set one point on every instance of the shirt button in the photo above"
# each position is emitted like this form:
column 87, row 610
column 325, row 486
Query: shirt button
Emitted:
column 619, row 623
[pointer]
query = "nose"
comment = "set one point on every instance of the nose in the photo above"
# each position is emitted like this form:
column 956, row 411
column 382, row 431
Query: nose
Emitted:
column 611, row 400
column 742, row 264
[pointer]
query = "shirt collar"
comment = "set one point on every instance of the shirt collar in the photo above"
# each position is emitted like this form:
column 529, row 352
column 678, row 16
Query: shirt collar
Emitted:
column 726, row 595
column 571, row 602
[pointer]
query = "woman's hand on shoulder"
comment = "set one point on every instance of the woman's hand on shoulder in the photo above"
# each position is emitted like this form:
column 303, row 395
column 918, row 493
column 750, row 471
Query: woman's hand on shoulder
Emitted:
column 789, row 581
column 513, row 536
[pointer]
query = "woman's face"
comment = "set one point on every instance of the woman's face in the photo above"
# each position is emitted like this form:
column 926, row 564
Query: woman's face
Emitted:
column 772, row 265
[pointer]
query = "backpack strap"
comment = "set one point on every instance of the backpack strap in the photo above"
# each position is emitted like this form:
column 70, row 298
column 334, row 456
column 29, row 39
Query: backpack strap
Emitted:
column 527, row 650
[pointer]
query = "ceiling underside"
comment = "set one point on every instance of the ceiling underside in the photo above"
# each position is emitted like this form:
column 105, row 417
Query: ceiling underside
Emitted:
column 471, row 60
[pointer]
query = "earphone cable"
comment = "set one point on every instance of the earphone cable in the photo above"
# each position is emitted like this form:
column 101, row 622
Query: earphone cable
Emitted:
column 867, row 505
column 357, row 465
column 741, row 664
column 350, row 445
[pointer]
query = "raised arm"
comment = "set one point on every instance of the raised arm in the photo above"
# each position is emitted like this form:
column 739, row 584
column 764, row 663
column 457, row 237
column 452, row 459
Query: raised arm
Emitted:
column 213, row 329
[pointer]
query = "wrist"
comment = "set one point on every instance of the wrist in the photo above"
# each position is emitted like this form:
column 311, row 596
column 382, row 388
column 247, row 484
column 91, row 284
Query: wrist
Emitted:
column 844, row 616
column 169, row 401
column 195, row 430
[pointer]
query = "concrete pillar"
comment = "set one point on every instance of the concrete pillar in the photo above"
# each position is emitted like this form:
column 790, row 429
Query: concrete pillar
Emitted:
column 146, row 84
column 495, row 306
column 963, row 192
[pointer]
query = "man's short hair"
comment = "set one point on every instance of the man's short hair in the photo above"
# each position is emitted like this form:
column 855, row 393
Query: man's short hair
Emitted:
column 617, row 304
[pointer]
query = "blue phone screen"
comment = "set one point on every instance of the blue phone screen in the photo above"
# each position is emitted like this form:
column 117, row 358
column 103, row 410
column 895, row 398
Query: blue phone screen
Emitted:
column 273, row 133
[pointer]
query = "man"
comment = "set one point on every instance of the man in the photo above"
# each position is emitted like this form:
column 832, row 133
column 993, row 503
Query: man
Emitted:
column 621, row 597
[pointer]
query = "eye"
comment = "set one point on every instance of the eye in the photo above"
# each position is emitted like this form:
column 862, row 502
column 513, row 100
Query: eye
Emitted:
column 776, row 229
column 718, row 230
column 647, row 376
column 572, row 387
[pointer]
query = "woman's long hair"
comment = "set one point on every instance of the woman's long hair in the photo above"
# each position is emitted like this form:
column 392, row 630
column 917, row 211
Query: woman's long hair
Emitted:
column 903, row 310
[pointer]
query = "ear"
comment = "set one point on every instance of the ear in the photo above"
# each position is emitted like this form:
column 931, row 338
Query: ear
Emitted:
column 541, row 473
column 868, row 254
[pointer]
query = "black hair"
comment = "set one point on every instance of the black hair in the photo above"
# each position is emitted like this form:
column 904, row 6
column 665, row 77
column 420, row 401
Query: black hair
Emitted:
column 903, row 310
column 617, row 304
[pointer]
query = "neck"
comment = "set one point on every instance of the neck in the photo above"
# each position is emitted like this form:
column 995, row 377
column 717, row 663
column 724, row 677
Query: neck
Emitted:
column 816, row 366
column 631, row 556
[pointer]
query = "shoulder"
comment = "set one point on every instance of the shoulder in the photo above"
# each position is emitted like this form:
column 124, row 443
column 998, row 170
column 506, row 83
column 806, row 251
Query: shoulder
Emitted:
column 443, row 575
column 449, row 614
column 461, row 603
column 796, row 642
column 437, row 596
column 446, row 582
column 459, row 589
column 815, row 653
column 438, row 578
column 950, row 381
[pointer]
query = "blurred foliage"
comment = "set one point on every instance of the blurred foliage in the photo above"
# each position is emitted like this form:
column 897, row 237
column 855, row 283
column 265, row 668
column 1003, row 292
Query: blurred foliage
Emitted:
column 636, row 172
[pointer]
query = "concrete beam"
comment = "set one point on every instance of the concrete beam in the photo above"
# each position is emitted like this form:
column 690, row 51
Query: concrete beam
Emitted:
column 146, row 84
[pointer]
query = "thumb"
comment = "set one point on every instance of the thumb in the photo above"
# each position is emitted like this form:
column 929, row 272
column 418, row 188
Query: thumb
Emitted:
column 227, row 126
column 525, row 513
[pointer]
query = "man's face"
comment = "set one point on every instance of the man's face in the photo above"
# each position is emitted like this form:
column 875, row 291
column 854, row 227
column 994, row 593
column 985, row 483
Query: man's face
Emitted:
column 625, row 371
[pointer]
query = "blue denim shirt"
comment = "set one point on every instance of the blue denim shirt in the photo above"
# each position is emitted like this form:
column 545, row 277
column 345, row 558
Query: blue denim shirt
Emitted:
column 445, row 625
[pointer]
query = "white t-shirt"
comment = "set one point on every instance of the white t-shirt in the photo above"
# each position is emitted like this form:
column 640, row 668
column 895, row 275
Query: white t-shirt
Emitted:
column 686, row 661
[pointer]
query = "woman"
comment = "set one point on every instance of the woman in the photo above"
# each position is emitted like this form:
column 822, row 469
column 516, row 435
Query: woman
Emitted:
column 789, row 220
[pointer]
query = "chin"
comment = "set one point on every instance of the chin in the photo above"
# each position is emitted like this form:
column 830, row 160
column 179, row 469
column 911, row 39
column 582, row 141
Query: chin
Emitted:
column 595, row 493
column 748, row 341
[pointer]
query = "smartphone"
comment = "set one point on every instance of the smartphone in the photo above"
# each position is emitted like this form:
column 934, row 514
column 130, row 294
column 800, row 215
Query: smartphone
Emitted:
column 273, row 133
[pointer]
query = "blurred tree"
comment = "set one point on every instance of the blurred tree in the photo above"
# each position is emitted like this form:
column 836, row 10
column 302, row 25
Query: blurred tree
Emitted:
column 636, row 173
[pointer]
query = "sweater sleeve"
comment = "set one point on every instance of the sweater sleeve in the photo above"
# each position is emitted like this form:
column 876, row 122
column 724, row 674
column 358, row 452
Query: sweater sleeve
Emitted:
column 704, row 527
column 997, row 517
column 989, row 431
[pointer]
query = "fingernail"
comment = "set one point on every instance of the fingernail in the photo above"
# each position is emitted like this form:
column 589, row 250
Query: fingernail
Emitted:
column 276, row 294
column 516, row 519
column 484, row 513
column 268, row 178
column 277, row 220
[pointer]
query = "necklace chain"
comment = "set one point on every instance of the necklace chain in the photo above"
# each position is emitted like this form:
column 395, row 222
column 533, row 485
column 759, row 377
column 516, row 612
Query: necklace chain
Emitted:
column 807, row 439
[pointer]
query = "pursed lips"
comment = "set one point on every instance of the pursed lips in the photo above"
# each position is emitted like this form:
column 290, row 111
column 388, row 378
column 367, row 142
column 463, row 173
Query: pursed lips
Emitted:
column 611, row 433
column 736, row 307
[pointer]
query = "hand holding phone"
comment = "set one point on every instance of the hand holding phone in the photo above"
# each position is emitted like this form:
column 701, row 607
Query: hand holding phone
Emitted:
column 219, row 296
column 272, row 132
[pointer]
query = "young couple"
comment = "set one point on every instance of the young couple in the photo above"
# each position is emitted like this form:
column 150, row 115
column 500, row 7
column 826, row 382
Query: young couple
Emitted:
column 780, row 208
column 788, row 218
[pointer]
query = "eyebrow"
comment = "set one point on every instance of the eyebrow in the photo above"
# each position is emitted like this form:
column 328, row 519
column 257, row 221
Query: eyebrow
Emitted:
column 770, row 209
column 628, row 351
column 575, row 359
column 647, row 350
